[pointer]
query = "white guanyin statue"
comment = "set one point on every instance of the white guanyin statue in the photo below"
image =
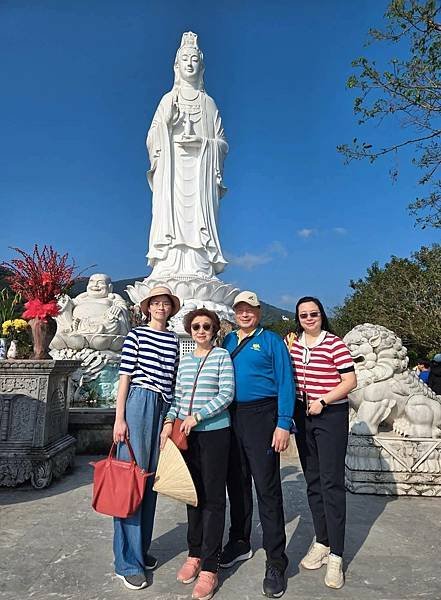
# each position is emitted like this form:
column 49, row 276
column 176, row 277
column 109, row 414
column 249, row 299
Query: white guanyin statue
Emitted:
column 187, row 148
column 96, row 319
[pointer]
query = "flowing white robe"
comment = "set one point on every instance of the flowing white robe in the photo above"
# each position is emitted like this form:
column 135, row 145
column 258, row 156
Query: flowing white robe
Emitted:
column 187, row 186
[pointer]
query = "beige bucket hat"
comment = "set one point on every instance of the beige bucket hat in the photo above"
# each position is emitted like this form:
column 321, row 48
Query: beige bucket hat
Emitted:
column 248, row 297
column 172, row 477
column 160, row 290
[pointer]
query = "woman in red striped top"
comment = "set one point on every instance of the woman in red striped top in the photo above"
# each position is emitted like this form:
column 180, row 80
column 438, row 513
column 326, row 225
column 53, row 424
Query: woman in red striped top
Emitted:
column 324, row 374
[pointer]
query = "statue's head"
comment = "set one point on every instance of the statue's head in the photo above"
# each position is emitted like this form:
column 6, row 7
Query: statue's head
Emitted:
column 189, row 62
column 99, row 285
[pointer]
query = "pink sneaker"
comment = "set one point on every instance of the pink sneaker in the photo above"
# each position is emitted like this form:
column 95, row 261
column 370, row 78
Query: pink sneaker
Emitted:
column 189, row 570
column 205, row 586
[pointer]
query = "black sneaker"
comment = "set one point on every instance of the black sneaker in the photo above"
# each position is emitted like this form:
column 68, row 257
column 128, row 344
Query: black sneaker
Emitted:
column 235, row 552
column 134, row 582
column 150, row 562
column 274, row 584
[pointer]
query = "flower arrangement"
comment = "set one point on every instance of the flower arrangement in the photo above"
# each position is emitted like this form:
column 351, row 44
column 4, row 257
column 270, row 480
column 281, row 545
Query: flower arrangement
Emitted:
column 10, row 305
column 17, row 333
column 40, row 278
column 14, row 328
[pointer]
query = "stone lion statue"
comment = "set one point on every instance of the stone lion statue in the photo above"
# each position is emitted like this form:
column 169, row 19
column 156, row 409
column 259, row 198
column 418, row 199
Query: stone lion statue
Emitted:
column 387, row 391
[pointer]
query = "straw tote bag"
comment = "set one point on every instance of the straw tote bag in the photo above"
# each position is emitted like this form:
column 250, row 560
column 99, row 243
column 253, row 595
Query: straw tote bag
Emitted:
column 118, row 485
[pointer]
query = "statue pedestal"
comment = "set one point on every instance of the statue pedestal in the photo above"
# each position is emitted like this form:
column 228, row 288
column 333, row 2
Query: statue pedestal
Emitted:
column 34, row 410
column 386, row 464
column 194, row 292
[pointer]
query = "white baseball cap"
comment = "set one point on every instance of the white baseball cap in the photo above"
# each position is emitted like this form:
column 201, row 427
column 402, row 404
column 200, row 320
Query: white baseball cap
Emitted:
column 247, row 297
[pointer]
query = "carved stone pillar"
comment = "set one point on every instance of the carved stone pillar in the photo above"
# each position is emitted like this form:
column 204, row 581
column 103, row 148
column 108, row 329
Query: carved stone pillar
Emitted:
column 34, row 412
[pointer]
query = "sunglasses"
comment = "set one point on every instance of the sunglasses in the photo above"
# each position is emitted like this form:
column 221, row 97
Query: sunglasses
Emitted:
column 197, row 326
column 314, row 314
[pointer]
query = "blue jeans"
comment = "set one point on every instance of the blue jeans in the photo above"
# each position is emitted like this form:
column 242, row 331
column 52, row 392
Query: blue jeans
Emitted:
column 133, row 535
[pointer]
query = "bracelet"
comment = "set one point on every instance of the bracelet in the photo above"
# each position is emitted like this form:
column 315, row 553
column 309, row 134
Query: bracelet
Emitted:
column 197, row 417
column 168, row 422
column 323, row 403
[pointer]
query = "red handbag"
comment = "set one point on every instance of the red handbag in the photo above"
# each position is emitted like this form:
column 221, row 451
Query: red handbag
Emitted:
column 177, row 436
column 118, row 485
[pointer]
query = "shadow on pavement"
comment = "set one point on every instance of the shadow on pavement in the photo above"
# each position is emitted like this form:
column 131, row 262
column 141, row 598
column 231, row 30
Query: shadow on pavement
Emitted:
column 80, row 475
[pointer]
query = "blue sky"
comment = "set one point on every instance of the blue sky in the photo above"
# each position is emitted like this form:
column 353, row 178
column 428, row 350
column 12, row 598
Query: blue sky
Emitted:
column 81, row 80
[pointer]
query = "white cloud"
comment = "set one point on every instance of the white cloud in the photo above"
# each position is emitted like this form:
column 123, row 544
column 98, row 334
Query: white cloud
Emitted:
column 250, row 261
column 306, row 233
column 288, row 300
column 340, row 230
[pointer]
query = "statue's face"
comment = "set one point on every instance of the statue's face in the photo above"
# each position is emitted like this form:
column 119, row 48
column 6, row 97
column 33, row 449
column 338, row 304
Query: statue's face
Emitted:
column 98, row 287
column 189, row 64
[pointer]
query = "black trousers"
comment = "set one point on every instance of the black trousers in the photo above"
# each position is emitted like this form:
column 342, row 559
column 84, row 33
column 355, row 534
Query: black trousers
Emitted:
column 207, row 461
column 321, row 441
column 251, row 455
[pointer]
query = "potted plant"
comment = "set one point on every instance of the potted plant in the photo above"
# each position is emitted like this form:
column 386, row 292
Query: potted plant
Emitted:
column 40, row 278
column 16, row 332
column 10, row 308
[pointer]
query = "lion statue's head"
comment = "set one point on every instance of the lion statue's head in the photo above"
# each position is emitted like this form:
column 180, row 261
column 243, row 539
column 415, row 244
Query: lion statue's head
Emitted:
column 378, row 353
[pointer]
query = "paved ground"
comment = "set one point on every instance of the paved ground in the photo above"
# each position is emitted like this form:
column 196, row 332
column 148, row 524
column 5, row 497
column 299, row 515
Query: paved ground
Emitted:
column 53, row 546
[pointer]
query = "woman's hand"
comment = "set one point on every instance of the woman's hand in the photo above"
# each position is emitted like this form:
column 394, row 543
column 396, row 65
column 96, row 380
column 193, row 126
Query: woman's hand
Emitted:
column 120, row 431
column 187, row 424
column 314, row 407
column 165, row 434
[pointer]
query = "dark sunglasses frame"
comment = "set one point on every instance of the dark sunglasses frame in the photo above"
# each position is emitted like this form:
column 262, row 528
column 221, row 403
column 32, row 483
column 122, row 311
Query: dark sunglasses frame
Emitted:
column 205, row 326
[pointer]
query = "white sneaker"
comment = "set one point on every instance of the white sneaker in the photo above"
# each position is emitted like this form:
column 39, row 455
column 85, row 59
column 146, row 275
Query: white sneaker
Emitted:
column 334, row 577
column 316, row 557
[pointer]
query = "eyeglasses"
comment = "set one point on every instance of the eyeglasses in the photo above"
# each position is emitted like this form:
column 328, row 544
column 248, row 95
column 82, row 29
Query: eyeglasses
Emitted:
column 157, row 304
column 314, row 314
column 197, row 326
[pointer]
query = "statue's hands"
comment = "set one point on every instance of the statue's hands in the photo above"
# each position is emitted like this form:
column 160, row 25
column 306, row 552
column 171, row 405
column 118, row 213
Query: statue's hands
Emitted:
column 114, row 310
column 171, row 115
column 189, row 140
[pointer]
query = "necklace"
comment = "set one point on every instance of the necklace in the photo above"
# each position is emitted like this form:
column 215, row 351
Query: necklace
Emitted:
column 184, row 97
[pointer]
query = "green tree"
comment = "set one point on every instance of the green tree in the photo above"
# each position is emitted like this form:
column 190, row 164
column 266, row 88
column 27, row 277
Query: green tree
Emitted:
column 408, row 93
column 404, row 295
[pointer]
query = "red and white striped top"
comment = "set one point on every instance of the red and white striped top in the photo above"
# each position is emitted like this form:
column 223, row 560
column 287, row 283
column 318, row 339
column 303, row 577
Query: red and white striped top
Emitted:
column 317, row 370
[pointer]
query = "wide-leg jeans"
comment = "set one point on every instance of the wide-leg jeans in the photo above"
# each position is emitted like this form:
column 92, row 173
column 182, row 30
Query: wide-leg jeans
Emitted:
column 133, row 535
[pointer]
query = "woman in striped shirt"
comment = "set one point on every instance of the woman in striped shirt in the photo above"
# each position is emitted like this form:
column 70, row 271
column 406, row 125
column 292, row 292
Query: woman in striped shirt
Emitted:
column 208, row 430
column 324, row 375
column 148, row 369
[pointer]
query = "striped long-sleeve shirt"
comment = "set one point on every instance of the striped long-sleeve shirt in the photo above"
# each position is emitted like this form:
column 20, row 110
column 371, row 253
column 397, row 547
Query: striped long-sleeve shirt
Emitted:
column 214, row 390
column 151, row 359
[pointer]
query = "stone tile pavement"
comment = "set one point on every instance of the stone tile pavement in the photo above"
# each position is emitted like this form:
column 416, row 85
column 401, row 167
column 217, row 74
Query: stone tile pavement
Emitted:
column 53, row 546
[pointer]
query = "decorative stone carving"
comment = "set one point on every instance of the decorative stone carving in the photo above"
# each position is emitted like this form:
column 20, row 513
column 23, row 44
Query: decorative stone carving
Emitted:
column 389, row 465
column 97, row 318
column 387, row 391
column 34, row 405
column 187, row 147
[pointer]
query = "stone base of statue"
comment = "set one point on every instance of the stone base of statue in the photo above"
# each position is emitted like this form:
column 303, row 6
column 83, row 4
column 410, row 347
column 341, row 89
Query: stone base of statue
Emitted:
column 386, row 464
column 95, row 384
column 194, row 291
column 34, row 411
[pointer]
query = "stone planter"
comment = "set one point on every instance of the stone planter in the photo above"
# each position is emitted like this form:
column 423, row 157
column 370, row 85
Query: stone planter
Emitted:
column 34, row 411
column 92, row 428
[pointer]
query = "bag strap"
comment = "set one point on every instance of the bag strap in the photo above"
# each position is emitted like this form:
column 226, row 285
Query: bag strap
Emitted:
column 242, row 344
column 196, row 380
column 129, row 448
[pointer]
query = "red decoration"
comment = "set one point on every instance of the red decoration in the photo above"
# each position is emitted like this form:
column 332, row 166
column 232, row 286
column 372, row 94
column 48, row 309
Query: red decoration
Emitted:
column 37, row 309
column 43, row 275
